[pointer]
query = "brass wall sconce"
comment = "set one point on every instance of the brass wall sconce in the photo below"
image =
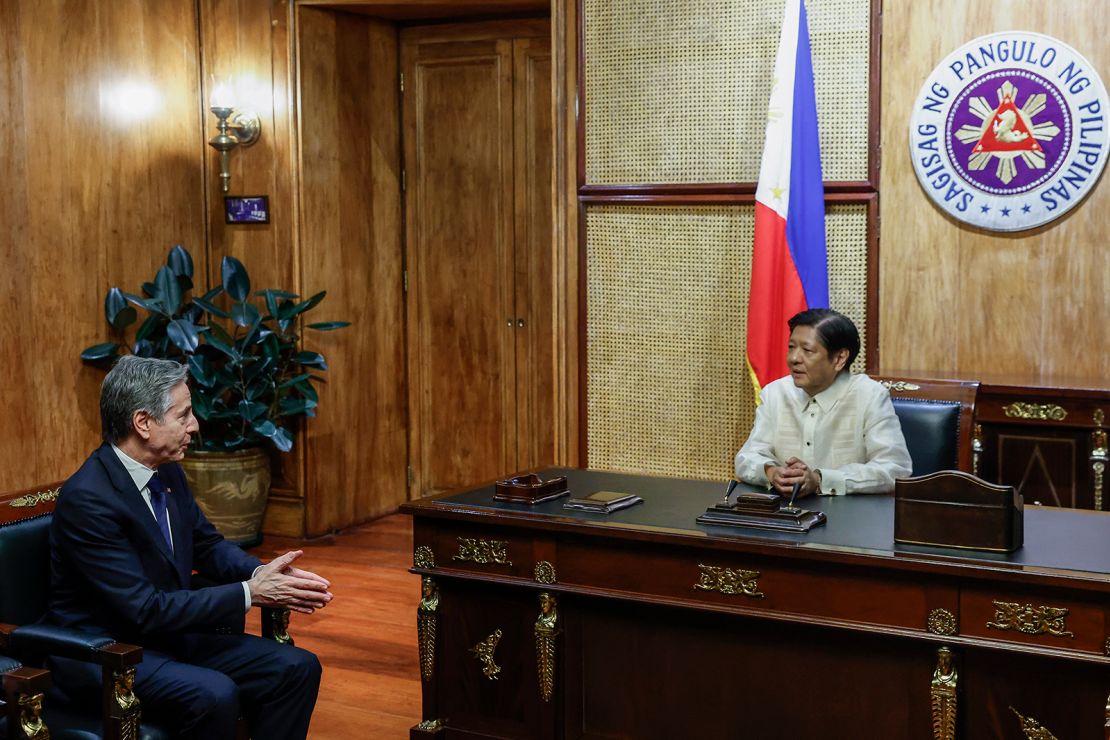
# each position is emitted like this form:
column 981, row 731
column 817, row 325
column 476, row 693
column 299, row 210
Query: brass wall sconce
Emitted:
column 235, row 128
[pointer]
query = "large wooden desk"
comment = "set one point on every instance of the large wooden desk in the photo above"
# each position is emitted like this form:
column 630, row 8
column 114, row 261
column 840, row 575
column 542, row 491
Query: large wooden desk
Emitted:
column 668, row 629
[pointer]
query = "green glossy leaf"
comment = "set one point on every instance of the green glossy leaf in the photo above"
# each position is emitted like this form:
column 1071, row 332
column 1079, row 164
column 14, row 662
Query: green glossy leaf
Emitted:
column 202, row 404
column 236, row 281
column 167, row 290
column 294, row 380
column 211, row 295
column 211, row 308
column 311, row 359
column 116, row 310
column 271, row 347
column 150, row 326
column 258, row 389
column 149, row 290
column 180, row 262
column 251, row 410
column 309, row 304
column 201, row 370
column 98, row 352
column 277, row 293
column 143, row 348
column 278, row 435
column 245, row 314
column 306, row 390
column 149, row 304
column 296, row 407
column 220, row 333
column 183, row 334
column 329, row 325
column 271, row 302
column 227, row 349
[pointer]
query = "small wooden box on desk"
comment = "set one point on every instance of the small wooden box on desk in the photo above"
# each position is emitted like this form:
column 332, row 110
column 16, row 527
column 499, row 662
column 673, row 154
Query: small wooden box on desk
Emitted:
column 954, row 509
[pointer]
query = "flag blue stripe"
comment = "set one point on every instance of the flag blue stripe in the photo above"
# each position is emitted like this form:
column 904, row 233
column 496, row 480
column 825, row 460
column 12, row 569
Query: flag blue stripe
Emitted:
column 805, row 218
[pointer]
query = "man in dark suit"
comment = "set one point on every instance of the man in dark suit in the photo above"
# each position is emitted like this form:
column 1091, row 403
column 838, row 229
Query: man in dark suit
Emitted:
column 125, row 539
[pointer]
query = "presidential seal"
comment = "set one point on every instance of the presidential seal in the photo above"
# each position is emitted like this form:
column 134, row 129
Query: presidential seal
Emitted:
column 1009, row 132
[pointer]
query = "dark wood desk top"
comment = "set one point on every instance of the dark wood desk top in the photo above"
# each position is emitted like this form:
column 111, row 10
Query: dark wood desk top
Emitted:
column 1066, row 544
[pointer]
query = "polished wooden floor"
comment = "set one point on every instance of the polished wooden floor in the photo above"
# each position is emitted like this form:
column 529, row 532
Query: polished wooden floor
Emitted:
column 366, row 638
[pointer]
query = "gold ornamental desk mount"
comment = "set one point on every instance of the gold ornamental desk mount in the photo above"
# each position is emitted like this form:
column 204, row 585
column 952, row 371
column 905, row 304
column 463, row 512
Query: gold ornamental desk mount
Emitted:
column 530, row 489
column 760, row 510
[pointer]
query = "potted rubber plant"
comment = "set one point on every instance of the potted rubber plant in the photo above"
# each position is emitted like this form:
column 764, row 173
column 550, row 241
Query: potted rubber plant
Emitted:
column 251, row 380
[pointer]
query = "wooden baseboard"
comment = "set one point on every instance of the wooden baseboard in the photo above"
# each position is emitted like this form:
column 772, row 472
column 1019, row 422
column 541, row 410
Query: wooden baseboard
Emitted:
column 284, row 516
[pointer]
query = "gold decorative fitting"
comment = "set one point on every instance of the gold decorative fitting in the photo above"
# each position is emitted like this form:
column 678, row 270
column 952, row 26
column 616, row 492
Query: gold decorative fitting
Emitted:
column 941, row 622
column 483, row 651
column 1099, row 457
column 424, row 558
column 729, row 581
column 900, row 386
column 34, row 499
column 1045, row 411
column 430, row 725
column 482, row 551
column 1106, row 646
column 546, row 630
column 943, row 695
column 976, row 448
column 426, row 626
column 1030, row 620
column 1098, row 417
column 130, row 709
column 544, row 572
column 30, row 717
column 279, row 626
column 1032, row 728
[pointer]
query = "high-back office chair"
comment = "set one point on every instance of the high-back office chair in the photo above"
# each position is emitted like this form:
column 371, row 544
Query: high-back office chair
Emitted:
column 937, row 420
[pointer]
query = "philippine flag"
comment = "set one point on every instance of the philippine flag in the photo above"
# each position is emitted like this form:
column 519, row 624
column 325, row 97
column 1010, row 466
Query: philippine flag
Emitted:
column 789, row 265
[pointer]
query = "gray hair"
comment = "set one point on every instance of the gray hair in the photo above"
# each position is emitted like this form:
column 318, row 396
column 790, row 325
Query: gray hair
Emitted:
column 136, row 384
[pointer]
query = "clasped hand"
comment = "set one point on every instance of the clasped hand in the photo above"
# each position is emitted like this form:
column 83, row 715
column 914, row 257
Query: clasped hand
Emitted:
column 279, row 584
column 784, row 477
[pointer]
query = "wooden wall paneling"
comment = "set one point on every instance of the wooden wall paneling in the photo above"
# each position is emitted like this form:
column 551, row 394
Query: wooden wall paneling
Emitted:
column 1021, row 303
column 568, row 325
column 458, row 142
column 351, row 232
column 534, row 253
column 247, row 47
column 99, row 152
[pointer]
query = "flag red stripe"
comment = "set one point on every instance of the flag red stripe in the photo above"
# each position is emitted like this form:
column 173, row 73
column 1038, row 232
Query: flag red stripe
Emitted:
column 776, row 295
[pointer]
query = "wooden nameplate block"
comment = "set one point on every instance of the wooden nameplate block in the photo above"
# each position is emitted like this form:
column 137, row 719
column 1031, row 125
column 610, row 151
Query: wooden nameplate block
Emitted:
column 762, row 511
column 955, row 509
column 530, row 489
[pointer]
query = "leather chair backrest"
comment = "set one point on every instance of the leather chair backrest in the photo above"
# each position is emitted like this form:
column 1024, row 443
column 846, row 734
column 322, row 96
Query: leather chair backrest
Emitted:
column 932, row 432
column 24, row 569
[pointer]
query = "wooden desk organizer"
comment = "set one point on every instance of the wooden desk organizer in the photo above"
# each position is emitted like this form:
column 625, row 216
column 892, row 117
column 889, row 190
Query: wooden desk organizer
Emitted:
column 530, row 489
column 955, row 509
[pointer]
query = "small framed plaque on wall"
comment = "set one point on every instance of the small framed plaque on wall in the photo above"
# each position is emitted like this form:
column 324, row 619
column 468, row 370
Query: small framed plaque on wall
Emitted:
column 247, row 209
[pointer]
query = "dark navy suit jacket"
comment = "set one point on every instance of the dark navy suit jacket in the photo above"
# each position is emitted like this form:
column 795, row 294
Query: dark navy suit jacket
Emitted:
column 113, row 573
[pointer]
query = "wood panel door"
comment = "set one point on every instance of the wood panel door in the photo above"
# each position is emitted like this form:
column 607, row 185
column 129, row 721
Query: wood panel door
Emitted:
column 477, row 127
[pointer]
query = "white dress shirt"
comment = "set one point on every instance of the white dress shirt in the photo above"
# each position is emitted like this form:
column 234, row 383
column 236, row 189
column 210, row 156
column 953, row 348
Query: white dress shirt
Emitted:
column 141, row 474
column 849, row 432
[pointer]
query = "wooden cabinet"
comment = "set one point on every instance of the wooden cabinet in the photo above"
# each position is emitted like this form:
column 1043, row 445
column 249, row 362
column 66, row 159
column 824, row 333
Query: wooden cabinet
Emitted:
column 1047, row 442
column 478, row 201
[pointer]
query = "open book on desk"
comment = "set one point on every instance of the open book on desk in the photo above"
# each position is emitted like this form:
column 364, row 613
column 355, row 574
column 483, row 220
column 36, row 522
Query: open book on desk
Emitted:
column 603, row 502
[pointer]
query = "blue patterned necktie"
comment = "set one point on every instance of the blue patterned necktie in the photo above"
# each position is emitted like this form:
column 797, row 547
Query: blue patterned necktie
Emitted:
column 158, row 493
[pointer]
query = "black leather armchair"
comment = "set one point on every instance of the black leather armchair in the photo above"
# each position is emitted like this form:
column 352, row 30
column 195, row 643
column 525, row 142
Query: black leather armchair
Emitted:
column 24, row 597
column 936, row 418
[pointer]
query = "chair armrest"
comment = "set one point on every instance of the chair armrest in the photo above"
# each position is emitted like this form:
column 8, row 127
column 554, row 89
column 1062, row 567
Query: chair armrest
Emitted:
column 22, row 693
column 44, row 639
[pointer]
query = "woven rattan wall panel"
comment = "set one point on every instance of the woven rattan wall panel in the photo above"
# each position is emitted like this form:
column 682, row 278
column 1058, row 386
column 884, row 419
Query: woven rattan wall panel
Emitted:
column 667, row 289
column 676, row 90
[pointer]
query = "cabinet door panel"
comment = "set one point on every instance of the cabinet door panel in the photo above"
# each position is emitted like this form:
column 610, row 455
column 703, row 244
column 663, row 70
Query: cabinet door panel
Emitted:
column 458, row 154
